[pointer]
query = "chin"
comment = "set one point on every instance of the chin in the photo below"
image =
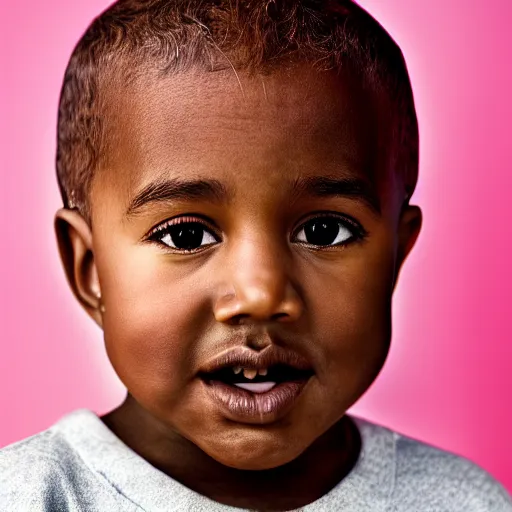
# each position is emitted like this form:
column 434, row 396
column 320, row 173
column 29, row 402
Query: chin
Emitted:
column 254, row 462
column 254, row 454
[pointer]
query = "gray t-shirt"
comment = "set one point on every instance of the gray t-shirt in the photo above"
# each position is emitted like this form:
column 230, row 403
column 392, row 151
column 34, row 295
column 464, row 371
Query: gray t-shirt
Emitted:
column 80, row 465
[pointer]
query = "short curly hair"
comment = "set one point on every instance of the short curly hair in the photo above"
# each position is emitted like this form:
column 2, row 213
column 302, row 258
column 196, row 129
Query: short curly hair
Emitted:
column 175, row 36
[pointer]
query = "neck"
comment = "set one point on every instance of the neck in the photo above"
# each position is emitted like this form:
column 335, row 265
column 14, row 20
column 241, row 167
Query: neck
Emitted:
column 295, row 484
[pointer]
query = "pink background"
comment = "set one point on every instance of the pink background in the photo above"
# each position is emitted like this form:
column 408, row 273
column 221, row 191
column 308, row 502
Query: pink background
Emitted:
column 449, row 377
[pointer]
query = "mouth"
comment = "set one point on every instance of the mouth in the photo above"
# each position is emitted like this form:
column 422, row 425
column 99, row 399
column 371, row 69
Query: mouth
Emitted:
column 255, row 387
column 257, row 380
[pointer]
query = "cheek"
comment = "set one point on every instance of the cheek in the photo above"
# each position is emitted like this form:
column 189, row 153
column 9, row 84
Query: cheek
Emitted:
column 149, row 326
column 353, row 319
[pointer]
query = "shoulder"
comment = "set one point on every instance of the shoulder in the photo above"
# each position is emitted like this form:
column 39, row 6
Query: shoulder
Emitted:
column 44, row 473
column 447, row 482
column 31, row 473
column 415, row 476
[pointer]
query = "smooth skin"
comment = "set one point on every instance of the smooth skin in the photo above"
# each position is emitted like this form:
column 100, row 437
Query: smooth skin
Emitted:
column 255, row 280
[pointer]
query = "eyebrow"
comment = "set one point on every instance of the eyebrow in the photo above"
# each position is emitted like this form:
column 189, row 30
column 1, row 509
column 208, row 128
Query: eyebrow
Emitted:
column 214, row 191
column 179, row 189
column 327, row 186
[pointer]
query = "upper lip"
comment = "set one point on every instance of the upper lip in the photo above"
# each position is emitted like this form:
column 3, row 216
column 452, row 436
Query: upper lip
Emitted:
column 248, row 358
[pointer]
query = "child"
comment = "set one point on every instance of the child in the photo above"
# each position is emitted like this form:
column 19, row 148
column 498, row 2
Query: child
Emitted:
column 236, row 180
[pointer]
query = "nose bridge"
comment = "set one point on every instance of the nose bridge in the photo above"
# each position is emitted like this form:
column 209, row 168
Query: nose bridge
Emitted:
column 257, row 272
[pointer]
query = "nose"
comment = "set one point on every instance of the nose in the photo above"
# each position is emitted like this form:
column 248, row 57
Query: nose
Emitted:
column 260, row 286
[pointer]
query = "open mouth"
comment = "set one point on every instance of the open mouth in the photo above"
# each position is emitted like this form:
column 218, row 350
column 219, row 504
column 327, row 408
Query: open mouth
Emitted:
column 257, row 380
column 256, row 387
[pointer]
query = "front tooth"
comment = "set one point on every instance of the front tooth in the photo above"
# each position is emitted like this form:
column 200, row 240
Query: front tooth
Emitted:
column 263, row 371
column 237, row 369
column 249, row 373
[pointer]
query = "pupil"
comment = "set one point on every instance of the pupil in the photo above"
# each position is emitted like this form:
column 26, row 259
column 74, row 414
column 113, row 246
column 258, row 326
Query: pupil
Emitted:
column 187, row 236
column 322, row 231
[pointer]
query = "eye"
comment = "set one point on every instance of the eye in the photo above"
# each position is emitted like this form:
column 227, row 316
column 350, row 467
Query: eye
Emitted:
column 329, row 231
column 182, row 234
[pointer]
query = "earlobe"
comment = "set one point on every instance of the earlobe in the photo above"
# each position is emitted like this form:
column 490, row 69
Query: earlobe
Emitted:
column 408, row 230
column 74, row 239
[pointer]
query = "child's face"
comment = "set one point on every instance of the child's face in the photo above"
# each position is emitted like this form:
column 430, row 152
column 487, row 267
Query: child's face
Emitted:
column 251, row 283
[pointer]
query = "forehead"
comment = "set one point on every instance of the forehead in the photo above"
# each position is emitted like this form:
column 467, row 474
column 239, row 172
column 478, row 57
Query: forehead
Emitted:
column 236, row 128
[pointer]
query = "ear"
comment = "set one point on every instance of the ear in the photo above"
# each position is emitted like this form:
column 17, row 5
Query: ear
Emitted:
column 409, row 226
column 74, row 237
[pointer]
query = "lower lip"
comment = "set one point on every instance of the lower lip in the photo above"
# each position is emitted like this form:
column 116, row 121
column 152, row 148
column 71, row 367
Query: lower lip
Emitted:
column 244, row 406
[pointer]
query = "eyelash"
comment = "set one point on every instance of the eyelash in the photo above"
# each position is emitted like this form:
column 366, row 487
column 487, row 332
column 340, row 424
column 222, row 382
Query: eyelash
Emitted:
column 156, row 234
